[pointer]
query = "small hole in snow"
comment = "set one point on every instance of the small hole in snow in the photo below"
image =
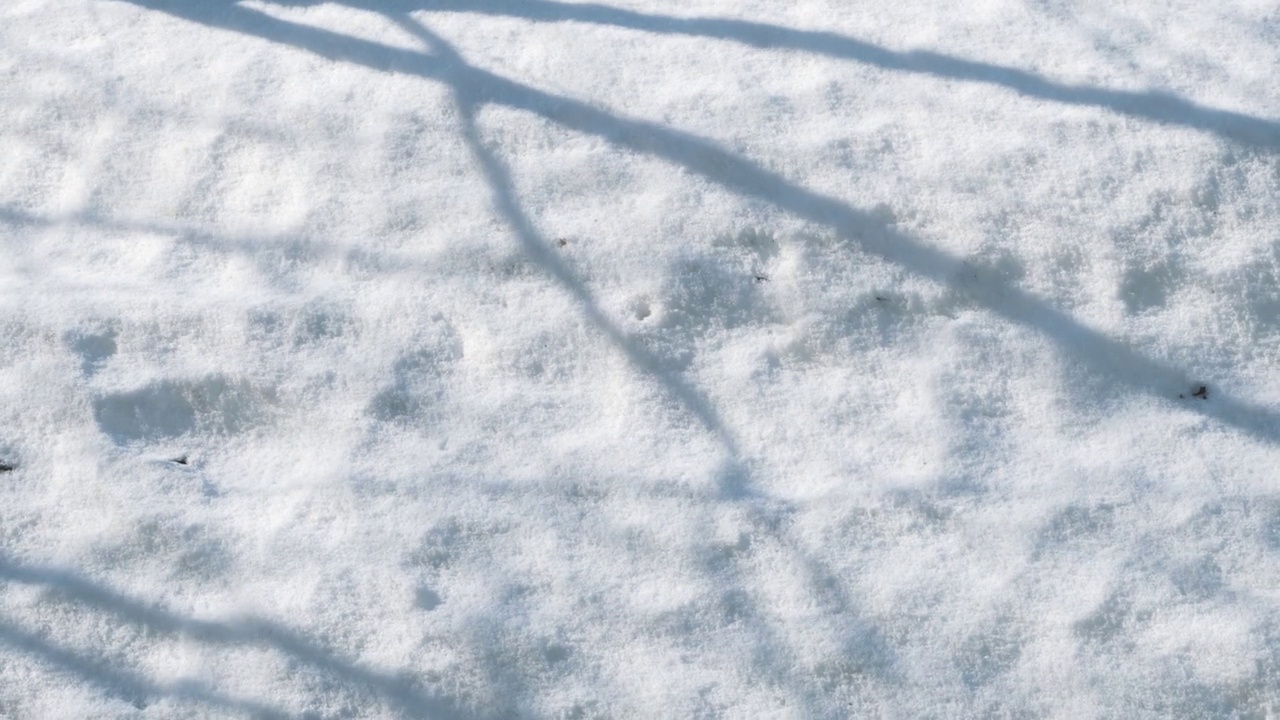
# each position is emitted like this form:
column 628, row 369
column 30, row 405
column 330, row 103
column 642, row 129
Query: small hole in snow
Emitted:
column 642, row 310
column 428, row 599
column 555, row 653
column 6, row 467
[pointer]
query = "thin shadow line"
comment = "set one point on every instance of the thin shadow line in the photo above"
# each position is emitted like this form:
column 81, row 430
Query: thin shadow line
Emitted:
column 1156, row 106
column 260, row 249
column 132, row 687
column 17, row 217
column 248, row 631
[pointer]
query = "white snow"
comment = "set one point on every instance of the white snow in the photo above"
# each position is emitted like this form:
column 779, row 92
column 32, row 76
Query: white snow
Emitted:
column 641, row 358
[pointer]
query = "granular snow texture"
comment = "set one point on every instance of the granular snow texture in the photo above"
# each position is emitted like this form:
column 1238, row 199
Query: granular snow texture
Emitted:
column 639, row 358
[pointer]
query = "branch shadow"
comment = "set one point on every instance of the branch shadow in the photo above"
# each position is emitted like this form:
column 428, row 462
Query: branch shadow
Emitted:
column 133, row 688
column 772, row 656
column 701, row 156
column 248, row 632
column 506, row 201
column 733, row 616
column 267, row 252
column 733, row 482
column 1153, row 105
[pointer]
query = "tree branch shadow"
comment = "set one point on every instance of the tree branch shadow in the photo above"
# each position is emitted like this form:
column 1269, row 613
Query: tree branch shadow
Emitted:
column 248, row 632
column 135, row 689
column 703, row 157
column 536, row 247
column 1155, row 106
column 733, row 482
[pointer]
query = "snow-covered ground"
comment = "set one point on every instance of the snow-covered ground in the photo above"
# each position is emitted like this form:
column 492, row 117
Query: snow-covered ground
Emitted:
column 641, row 358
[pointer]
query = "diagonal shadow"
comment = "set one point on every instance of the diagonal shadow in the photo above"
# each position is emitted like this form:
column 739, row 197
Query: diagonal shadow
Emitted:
column 250, row 632
column 1156, row 106
column 132, row 687
column 264, row 251
column 701, row 156
column 15, row 216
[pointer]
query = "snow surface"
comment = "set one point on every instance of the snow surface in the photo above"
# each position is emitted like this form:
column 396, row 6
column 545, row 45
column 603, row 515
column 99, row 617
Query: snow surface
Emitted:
column 642, row 358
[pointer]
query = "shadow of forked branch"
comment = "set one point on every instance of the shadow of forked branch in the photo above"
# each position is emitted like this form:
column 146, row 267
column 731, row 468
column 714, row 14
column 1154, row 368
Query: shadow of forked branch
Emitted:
column 536, row 247
column 1159, row 107
column 1154, row 106
column 132, row 687
column 249, row 632
column 701, row 156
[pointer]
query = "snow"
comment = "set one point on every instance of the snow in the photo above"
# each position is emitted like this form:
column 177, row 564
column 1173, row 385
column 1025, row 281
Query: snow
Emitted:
column 501, row 358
